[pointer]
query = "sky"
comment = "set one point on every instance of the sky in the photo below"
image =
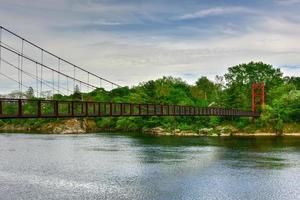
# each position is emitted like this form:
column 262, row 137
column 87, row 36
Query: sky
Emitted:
column 132, row 41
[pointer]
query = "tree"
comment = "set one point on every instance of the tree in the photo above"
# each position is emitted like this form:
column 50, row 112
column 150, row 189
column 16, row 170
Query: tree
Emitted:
column 15, row 94
column 207, row 87
column 77, row 94
column 29, row 93
column 46, row 94
column 293, row 80
column 239, row 79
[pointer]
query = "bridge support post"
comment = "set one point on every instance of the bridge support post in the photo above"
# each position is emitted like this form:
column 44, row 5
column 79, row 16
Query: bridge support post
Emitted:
column 258, row 92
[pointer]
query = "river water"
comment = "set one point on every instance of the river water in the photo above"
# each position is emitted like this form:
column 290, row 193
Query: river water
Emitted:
column 115, row 166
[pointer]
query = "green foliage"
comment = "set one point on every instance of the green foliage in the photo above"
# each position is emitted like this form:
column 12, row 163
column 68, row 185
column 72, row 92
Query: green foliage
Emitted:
column 214, row 121
column 207, row 89
column 242, row 123
column 233, row 90
column 294, row 81
column 239, row 79
column 272, row 118
column 185, row 127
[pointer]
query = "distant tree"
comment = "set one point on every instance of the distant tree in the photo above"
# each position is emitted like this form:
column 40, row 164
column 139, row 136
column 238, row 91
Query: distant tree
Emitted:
column 293, row 80
column 29, row 93
column 76, row 89
column 46, row 94
column 15, row 94
column 77, row 93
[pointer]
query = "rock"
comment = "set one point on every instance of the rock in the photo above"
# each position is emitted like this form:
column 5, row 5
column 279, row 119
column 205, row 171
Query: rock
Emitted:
column 185, row 133
column 206, row 131
column 162, row 132
column 226, row 130
column 157, row 131
column 71, row 126
column 177, row 131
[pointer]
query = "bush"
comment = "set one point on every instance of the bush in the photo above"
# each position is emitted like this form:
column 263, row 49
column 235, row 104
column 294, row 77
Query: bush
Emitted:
column 214, row 121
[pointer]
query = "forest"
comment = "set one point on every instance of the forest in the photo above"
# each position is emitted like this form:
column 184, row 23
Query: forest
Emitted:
column 231, row 90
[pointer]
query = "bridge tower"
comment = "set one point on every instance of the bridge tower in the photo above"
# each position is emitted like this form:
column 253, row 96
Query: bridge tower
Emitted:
column 258, row 96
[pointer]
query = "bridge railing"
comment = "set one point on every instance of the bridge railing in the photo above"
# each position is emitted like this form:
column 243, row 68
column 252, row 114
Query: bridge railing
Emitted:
column 34, row 108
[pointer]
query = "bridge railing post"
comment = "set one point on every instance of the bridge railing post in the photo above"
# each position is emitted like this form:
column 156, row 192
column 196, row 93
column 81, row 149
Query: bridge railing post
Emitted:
column 99, row 109
column 72, row 108
column 20, row 108
column 94, row 109
column 110, row 109
column 39, row 108
column 121, row 109
column 55, row 108
column 147, row 109
column 131, row 109
column 86, row 109
column 140, row 109
column 1, row 108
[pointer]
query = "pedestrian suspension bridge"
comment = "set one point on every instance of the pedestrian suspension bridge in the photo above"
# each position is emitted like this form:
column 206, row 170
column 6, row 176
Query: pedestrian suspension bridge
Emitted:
column 27, row 66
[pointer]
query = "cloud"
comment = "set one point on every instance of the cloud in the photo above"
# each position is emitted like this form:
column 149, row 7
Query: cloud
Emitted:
column 215, row 12
column 287, row 2
column 131, row 43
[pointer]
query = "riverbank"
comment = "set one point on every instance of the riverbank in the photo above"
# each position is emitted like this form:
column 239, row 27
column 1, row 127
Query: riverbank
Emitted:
column 84, row 126
column 214, row 132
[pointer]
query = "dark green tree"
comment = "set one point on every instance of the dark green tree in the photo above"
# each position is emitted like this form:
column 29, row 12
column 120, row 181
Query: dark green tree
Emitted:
column 239, row 79
column 207, row 87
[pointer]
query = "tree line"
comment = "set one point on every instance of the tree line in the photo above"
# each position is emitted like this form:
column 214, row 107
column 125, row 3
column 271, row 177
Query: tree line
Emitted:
column 232, row 90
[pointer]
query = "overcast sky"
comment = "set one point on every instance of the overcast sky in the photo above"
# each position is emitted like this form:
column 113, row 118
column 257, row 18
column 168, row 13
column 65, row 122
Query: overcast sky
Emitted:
column 130, row 41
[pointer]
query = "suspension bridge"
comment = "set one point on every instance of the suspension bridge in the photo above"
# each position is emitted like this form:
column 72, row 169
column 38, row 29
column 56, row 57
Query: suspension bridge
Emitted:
column 26, row 65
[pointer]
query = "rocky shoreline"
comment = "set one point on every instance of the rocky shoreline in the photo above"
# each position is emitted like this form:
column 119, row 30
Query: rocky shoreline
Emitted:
column 218, row 132
column 84, row 126
column 71, row 126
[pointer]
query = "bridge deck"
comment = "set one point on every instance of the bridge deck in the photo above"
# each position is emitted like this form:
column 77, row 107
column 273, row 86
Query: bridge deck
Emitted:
column 25, row 108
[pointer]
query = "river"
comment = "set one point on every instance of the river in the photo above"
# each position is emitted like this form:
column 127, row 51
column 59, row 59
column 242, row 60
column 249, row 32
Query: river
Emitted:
column 115, row 166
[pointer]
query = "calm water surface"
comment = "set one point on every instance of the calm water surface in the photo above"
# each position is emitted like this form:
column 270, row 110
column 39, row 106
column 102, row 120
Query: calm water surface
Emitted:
column 112, row 166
